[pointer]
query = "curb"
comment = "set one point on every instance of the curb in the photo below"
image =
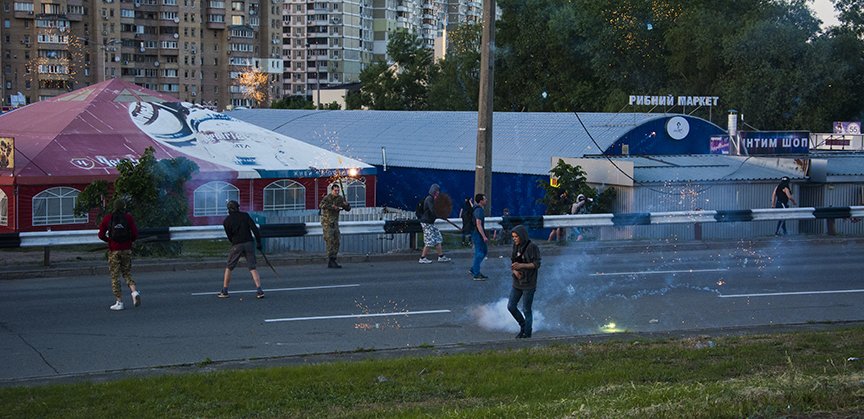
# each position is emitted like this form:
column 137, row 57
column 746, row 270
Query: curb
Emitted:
column 94, row 267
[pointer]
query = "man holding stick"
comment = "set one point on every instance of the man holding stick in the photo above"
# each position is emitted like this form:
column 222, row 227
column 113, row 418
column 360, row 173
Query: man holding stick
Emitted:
column 431, row 234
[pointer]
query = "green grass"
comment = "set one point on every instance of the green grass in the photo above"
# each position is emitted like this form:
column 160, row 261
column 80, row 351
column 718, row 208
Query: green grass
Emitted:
column 795, row 374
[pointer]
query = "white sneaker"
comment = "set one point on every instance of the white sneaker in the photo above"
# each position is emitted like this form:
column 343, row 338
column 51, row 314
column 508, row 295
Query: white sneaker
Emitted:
column 443, row 258
column 117, row 306
column 424, row 260
column 136, row 298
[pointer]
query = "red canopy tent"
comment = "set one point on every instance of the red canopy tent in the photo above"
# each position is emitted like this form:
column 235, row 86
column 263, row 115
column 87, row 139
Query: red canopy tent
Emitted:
column 74, row 139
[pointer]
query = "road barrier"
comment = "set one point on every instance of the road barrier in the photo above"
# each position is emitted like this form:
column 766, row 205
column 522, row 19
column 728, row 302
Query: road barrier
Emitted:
column 73, row 237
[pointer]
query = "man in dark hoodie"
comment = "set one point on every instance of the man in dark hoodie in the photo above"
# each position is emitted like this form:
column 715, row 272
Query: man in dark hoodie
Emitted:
column 525, row 262
column 239, row 227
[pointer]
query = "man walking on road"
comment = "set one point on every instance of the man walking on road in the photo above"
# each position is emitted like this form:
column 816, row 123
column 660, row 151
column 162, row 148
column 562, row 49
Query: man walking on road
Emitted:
column 780, row 199
column 479, row 237
column 330, row 207
column 239, row 227
column 119, row 231
column 525, row 262
column 431, row 234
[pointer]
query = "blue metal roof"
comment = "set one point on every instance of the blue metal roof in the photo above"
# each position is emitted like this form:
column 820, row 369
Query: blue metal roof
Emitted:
column 522, row 142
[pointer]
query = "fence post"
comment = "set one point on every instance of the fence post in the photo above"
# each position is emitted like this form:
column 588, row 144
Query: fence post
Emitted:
column 697, row 228
column 46, row 257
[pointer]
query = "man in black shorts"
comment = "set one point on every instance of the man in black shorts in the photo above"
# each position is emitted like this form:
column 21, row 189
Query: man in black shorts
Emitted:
column 239, row 227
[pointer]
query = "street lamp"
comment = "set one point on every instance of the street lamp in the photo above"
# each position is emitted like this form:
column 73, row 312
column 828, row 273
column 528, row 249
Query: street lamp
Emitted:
column 104, row 49
column 317, row 75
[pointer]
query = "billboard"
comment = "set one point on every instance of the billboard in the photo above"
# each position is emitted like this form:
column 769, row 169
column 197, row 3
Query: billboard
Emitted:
column 845, row 127
column 7, row 153
column 774, row 142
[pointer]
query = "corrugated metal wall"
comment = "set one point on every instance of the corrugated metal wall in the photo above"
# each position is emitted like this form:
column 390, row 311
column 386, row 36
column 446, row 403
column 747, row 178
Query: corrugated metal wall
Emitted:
column 354, row 243
column 730, row 196
column 695, row 196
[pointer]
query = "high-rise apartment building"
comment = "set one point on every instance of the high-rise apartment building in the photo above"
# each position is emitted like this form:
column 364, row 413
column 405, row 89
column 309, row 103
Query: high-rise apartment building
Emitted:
column 328, row 43
column 192, row 49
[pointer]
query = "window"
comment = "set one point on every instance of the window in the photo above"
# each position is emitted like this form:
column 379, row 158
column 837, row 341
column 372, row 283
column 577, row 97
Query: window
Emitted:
column 355, row 192
column 55, row 206
column 284, row 195
column 210, row 198
column 4, row 209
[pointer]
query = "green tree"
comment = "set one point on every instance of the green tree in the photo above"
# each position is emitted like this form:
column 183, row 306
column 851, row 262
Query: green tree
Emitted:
column 293, row 102
column 455, row 82
column 571, row 182
column 154, row 194
column 403, row 83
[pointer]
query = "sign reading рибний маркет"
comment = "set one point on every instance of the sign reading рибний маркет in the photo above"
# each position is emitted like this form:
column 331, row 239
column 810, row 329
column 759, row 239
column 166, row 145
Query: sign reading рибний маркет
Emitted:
column 669, row 100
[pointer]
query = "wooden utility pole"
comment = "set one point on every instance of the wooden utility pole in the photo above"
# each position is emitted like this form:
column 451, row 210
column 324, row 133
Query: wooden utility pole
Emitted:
column 483, row 170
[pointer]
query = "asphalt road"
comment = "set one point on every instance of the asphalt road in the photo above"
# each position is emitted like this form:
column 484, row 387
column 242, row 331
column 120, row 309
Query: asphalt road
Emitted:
column 61, row 327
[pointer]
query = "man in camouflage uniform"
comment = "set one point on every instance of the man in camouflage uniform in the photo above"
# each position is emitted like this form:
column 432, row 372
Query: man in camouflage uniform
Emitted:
column 330, row 207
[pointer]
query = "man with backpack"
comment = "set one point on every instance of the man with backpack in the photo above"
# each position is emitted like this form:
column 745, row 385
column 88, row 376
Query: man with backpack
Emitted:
column 431, row 234
column 119, row 231
column 466, row 213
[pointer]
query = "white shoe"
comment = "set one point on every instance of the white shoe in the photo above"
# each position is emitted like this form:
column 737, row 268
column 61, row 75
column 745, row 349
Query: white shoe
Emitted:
column 136, row 298
column 424, row 260
column 117, row 306
column 443, row 258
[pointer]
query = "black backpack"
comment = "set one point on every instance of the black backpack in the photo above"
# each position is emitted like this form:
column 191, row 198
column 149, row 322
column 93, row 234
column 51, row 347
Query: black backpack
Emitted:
column 468, row 224
column 420, row 209
column 119, row 231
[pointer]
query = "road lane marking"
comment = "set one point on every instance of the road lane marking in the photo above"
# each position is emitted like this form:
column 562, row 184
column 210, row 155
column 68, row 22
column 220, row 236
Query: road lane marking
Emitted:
column 658, row 272
column 774, row 294
column 281, row 289
column 356, row 316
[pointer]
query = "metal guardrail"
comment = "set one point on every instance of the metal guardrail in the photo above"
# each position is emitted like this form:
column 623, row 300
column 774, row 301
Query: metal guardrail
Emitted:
column 58, row 238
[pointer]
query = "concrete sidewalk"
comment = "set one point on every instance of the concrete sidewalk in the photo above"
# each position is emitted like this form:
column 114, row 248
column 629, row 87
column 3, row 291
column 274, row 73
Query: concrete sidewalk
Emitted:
column 29, row 263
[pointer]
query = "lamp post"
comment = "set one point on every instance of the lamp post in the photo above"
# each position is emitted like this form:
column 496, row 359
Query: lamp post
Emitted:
column 104, row 49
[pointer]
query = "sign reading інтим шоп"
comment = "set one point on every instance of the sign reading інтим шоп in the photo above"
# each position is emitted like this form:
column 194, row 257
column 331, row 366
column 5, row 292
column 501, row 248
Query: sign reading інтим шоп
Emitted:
column 669, row 100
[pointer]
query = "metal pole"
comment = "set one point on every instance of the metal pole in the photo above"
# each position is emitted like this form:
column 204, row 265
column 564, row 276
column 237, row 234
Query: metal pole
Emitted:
column 483, row 170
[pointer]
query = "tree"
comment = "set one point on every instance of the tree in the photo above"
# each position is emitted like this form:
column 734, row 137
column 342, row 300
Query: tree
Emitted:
column 255, row 85
column 455, row 82
column 403, row 83
column 571, row 179
column 293, row 102
column 154, row 194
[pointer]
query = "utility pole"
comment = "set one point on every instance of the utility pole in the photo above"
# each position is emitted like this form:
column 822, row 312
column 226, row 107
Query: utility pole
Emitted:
column 483, row 170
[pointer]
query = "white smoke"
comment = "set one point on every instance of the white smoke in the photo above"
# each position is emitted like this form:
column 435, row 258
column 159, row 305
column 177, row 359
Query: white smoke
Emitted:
column 495, row 317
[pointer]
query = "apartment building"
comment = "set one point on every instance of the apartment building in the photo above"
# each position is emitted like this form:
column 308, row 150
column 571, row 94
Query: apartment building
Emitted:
column 191, row 49
column 328, row 43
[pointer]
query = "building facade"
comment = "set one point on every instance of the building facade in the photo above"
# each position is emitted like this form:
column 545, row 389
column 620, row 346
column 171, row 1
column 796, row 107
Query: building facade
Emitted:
column 191, row 49
column 328, row 43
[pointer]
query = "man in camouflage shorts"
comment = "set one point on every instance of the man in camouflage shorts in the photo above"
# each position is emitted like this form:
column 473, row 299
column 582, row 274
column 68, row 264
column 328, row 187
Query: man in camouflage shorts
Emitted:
column 431, row 234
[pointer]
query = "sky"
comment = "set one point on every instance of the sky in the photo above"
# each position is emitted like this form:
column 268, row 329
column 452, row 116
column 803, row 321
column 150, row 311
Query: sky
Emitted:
column 825, row 12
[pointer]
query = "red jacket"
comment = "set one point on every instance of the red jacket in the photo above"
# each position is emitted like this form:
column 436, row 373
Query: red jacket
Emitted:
column 112, row 245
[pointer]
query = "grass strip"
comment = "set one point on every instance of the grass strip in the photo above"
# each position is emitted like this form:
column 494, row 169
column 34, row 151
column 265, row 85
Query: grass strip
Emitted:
column 801, row 374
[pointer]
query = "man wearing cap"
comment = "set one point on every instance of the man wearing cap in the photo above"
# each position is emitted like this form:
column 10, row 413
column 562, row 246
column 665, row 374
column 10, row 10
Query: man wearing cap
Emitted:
column 239, row 227
column 330, row 207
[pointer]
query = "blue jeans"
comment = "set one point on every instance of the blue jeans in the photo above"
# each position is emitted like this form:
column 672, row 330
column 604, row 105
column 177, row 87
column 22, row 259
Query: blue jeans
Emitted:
column 480, row 250
column 781, row 223
column 527, row 320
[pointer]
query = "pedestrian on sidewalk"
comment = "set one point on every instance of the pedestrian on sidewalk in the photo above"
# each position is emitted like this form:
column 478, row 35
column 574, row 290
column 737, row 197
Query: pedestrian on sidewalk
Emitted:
column 330, row 207
column 465, row 213
column 525, row 262
column 431, row 234
column 780, row 199
column 479, row 237
column 239, row 227
column 118, row 229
